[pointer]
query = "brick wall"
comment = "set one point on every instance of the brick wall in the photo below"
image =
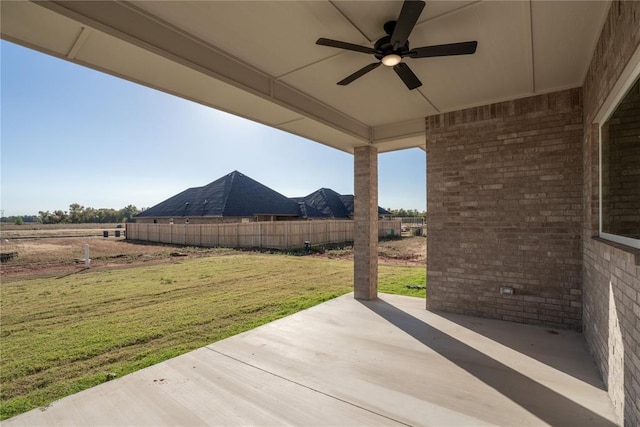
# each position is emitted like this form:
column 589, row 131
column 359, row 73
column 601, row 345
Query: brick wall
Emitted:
column 611, row 283
column 505, row 209
column 192, row 220
column 365, row 224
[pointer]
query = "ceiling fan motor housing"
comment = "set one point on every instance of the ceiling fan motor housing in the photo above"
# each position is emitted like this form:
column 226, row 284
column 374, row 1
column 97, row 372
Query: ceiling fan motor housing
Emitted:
column 384, row 47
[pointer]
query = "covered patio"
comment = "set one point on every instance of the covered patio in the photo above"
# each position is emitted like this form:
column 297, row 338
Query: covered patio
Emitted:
column 518, row 230
column 351, row 362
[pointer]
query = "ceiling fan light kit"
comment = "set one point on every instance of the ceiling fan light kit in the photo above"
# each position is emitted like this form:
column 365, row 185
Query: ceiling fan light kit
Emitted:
column 391, row 60
column 392, row 48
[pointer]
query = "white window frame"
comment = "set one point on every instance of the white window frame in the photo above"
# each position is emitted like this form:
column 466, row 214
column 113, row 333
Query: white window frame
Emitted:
column 626, row 80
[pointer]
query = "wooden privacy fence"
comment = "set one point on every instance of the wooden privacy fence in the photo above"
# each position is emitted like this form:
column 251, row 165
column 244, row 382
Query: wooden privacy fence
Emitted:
column 273, row 235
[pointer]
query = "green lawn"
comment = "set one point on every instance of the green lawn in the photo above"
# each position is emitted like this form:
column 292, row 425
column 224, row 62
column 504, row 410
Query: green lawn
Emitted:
column 60, row 336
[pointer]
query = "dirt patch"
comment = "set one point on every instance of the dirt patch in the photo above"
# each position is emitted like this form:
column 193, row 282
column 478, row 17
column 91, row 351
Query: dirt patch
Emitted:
column 54, row 257
column 47, row 257
column 409, row 250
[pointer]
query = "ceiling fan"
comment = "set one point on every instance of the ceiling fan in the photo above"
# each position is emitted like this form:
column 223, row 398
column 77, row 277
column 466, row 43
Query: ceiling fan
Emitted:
column 390, row 49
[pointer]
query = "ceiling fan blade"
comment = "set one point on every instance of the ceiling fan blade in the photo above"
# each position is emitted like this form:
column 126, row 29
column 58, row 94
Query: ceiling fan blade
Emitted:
column 464, row 48
column 361, row 72
column 407, row 76
column 345, row 45
column 411, row 10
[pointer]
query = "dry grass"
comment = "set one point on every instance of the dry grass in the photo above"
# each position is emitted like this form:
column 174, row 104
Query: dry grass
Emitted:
column 50, row 256
column 37, row 231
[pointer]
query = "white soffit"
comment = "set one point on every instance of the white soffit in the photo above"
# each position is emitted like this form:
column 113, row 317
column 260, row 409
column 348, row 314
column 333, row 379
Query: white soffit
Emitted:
column 259, row 60
column 38, row 28
column 104, row 52
column 275, row 37
column 370, row 16
column 560, row 55
column 499, row 69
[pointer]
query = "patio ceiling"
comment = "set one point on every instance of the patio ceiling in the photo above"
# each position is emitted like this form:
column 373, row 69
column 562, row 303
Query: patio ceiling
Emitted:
column 259, row 60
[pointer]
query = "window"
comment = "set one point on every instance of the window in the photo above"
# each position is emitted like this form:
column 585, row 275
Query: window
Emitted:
column 620, row 170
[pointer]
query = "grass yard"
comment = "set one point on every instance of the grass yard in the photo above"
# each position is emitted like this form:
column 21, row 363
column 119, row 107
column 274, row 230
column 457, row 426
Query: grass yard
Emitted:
column 63, row 335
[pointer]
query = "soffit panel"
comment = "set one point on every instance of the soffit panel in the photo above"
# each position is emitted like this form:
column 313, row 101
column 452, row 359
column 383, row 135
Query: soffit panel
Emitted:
column 259, row 59
column 38, row 27
column 562, row 57
column 317, row 131
column 417, row 141
column 499, row 69
column 370, row 16
column 275, row 37
column 406, row 129
column 104, row 52
column 230, row 96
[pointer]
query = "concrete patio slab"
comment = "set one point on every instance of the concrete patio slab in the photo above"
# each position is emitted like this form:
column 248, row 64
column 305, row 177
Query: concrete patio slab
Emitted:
column 350, row 362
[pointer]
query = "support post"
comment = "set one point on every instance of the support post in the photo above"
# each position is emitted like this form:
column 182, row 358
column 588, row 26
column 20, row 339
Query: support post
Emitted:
column 365, row 236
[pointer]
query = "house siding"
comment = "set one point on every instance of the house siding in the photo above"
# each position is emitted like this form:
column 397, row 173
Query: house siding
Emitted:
column 192, row 220
column 505, row 209
column 214, row 219
column 611, row 274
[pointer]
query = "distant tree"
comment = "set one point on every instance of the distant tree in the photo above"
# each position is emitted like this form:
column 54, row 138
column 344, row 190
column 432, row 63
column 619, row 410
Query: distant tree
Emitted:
column 59, row 217
column 129, row 212
column 44, row 217
column 76, row 213
column 19, row 221
column 98, row 216
column 110, row 215
column 407, row 212
column 24, row 218
column 89, row 215
column 79, row 214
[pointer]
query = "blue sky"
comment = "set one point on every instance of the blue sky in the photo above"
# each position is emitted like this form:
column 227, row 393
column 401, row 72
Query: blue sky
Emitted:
column 73, row 135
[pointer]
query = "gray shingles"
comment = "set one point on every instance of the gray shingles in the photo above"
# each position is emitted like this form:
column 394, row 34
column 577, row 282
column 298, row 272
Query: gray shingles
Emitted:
column 237, row 195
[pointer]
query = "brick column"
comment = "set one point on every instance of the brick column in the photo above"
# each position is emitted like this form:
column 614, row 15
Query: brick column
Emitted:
column 365, row 247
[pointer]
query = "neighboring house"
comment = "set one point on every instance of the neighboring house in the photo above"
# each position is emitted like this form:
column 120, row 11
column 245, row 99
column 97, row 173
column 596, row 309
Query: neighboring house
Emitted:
column 237, row 198
column 326, row 203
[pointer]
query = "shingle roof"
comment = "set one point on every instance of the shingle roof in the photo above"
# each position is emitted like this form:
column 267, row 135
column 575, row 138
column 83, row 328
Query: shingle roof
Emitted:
column 328, row 203
column 234, row 195
column 237, row 195
column 347, row 200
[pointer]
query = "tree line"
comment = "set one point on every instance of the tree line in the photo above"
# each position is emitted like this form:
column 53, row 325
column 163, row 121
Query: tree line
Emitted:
column 407, row 213
column 77, row 214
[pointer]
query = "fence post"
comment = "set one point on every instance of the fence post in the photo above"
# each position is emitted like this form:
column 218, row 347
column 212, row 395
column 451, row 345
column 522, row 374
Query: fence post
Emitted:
column 286, row 235
column 327, row 233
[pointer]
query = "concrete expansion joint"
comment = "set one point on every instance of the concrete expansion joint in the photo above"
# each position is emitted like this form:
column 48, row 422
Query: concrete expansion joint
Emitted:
column 306, row 386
